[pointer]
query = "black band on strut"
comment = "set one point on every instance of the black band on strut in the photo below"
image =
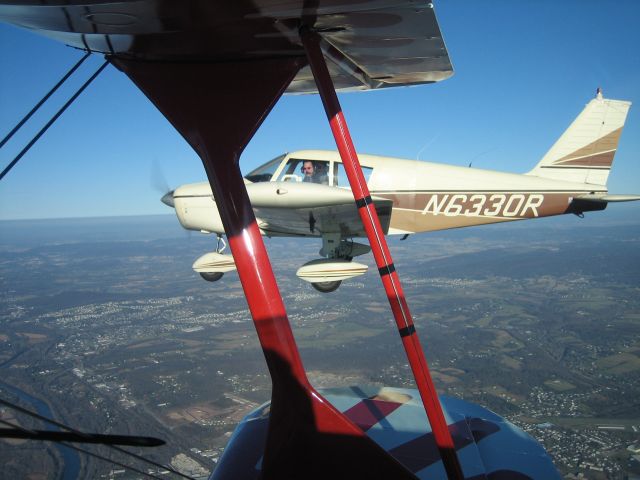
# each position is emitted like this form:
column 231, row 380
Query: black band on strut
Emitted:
column 387, row 270
column 406, row 331
column 364, row 201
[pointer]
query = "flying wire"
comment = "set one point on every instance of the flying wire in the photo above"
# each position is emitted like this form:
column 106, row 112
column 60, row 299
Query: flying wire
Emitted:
column 113, row 447
column 53, row 119
column 91, row 454
column 44, row 99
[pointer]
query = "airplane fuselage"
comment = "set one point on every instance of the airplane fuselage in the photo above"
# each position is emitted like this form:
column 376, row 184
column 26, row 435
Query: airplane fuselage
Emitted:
column 426, row 196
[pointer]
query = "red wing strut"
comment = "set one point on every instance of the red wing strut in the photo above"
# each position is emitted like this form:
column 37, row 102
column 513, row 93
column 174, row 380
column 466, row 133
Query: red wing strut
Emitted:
column 388, row 274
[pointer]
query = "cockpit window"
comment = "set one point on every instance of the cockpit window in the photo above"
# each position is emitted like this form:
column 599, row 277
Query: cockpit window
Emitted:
column 300, row 170
column 264, row 172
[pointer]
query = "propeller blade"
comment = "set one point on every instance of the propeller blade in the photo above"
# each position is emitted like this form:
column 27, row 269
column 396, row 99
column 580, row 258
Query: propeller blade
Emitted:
column 158, row 181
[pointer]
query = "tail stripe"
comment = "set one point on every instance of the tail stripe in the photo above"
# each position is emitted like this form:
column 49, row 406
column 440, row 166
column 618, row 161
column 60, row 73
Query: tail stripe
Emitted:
column 584, row 152
column 597, row 154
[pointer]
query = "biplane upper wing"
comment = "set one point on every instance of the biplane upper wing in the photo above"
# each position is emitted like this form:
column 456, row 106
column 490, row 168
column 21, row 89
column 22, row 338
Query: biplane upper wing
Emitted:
column 373, row 44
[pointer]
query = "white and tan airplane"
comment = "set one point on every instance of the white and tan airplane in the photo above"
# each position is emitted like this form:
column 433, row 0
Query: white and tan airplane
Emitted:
column 306, row 194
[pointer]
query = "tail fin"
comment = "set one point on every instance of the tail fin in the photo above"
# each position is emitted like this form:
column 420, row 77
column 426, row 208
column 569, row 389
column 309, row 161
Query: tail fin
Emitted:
column 584, row 153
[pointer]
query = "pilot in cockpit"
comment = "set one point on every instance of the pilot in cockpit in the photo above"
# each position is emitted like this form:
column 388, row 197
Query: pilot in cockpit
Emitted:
column 314, row 172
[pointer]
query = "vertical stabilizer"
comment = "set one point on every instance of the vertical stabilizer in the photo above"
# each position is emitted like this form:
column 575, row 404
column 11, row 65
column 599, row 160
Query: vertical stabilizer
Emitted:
column 584, row 153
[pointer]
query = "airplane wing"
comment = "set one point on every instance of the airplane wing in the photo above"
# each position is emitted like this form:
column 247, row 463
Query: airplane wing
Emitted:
column 373, row 44
column 309, row 209
column 385, row 44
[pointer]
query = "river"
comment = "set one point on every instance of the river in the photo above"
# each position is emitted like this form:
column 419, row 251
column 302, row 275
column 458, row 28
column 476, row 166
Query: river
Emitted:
column 70, row 457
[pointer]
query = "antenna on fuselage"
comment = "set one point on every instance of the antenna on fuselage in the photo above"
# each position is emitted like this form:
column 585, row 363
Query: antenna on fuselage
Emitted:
column 481, row 154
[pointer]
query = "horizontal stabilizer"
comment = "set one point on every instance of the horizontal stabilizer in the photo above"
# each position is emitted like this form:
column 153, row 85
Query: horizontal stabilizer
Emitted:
column 594, row 197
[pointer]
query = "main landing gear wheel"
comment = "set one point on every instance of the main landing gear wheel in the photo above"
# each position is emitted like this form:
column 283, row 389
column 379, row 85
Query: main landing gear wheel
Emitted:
column 326, row 287
column 213, row 277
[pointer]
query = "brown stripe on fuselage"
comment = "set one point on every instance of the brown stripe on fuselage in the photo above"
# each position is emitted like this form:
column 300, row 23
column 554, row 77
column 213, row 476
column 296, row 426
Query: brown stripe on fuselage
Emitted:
column 422, row 212
column 414, row 221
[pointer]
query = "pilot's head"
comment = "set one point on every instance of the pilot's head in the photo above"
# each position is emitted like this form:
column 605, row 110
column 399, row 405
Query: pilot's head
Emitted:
column 308, row 168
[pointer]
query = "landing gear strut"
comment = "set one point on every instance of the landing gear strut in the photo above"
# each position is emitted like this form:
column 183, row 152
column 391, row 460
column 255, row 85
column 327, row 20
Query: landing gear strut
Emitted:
column 220, row 249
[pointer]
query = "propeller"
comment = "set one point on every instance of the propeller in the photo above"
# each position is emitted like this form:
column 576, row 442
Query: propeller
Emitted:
column 159, row 183
column 167, row 199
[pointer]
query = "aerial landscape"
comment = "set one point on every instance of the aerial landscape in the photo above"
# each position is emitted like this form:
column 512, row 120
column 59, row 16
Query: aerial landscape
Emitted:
column 111, row 338
column 105, row 326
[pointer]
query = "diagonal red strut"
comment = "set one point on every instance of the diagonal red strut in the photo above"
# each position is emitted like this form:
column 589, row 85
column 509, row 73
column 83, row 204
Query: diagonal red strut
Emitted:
column 375, row 234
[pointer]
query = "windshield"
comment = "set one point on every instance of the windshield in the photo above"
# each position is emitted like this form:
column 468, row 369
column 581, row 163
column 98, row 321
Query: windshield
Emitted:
column 304, row 170
column 264, row 172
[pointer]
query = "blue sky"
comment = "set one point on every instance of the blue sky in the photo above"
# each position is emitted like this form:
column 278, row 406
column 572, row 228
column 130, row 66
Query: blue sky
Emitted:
column 524, row 70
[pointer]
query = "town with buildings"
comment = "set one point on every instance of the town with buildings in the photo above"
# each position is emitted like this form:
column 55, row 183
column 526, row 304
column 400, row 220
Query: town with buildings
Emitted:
column 123, row 338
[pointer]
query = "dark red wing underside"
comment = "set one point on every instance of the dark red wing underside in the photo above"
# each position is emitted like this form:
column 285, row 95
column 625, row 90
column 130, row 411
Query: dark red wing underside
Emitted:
column 372, row 44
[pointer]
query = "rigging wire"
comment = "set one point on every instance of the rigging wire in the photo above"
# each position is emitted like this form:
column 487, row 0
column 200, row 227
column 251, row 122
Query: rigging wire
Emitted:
column 82, row 450
column 95, row 438
column 113, row 447
column 53, row 119
column 44, row 99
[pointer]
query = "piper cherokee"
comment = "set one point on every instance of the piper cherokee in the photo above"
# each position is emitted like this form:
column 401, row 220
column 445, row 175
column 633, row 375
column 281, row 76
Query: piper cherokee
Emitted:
column 306, row 194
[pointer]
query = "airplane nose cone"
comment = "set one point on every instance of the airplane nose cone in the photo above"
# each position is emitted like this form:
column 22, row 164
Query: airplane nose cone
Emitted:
column 167, row 199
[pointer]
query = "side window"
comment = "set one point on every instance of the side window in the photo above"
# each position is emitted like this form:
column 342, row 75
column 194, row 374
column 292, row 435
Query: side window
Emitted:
column 340, row 175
